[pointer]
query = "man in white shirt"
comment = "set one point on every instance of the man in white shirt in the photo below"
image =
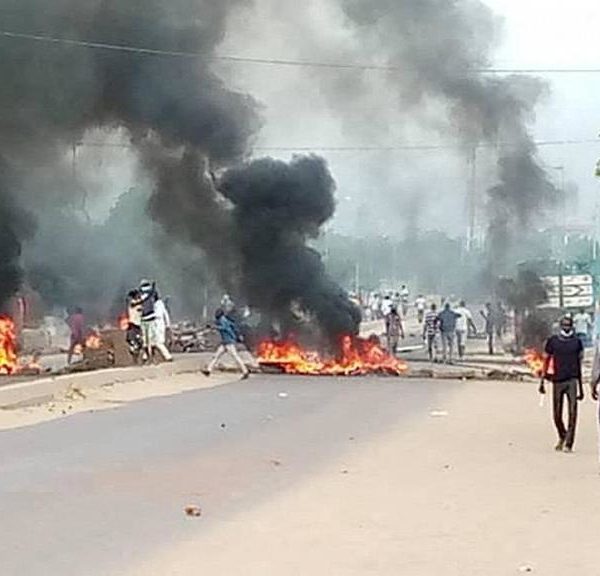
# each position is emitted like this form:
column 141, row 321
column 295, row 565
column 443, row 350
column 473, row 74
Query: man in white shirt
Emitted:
column 583, row 324
column 386, row 305
column 463, row 322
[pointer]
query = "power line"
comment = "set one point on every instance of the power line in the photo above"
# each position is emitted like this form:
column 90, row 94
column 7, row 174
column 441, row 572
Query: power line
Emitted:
column 397, row 148
column 270, row 61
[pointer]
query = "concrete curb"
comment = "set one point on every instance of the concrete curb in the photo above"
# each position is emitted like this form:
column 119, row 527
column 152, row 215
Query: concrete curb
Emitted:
column 42, row 390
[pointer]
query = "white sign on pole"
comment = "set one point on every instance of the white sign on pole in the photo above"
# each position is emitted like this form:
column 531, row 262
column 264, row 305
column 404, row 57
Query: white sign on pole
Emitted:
column 577, row 291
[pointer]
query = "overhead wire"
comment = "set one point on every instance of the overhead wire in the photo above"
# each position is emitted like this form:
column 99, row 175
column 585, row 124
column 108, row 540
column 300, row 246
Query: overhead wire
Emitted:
column 68, row 42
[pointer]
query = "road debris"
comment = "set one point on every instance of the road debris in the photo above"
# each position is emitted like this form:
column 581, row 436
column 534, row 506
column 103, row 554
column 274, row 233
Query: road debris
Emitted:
column 283, row 395
column 193, row 511
column 438, row 413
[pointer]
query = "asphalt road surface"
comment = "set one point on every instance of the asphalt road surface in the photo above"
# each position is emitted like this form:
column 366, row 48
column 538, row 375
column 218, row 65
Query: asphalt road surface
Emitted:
column 91, row 494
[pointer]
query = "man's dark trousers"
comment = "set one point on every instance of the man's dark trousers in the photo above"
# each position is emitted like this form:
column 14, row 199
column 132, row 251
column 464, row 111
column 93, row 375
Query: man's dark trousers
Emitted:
column 567, row 388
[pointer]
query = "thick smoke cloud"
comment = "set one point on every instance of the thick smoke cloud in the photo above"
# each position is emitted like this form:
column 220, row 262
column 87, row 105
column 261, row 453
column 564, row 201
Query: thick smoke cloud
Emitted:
column 186, row 125
column 15, row 226
column 277, row 208
column 438, row 47
column 50, row 95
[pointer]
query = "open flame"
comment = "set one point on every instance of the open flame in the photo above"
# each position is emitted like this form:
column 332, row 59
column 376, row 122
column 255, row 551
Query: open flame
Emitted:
column 357, row 357
column 93, row 341
column 535, row 361
column 123, row 322
column 9, row 361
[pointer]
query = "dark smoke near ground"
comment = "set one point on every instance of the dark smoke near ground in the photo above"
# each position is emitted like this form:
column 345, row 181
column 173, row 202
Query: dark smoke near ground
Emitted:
column 438, row 46
column 277, row 208
column 14, row 228
column 184, row 123
column 524, row 294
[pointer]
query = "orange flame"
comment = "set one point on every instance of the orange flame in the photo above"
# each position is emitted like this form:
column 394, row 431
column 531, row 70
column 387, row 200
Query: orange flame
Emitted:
column 9, row 360
column 93, row 341
column 8, row 346
column 358, row 357
column 123, row 322
column 535, row 362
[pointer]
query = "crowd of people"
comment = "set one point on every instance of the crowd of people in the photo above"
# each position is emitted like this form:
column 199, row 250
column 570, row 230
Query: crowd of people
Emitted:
column 445, row 330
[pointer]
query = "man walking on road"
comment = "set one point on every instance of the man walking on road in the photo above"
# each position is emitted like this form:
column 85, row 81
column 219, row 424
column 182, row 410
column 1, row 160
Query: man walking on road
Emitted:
column 447, row 320
column 229, row 338
column 463, row 323
column 393, row 330
column 566, row 351
column 490, row 326
column 583, row 326
column 430, row 332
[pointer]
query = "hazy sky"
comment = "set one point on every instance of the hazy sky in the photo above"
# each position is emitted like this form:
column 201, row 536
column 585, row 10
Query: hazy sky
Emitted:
column 558, row 34
column 382, row 192
column 429, row 186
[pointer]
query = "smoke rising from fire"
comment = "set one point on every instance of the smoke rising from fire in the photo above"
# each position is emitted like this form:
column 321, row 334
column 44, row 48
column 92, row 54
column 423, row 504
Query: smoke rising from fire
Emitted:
column 438, row 47
column 184, row 123
column 277, row 208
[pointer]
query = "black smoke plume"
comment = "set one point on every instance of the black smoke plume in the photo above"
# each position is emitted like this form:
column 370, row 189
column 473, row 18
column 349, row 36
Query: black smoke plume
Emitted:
column 524, row 294
column 184, row 123
column 277, row 208
column 438, row 47
column 15, row 227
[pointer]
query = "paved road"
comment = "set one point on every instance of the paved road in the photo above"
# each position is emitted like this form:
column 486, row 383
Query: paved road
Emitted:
column 90, row 494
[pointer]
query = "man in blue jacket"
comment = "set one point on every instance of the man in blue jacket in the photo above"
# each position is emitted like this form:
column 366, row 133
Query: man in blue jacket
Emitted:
column 230, row 336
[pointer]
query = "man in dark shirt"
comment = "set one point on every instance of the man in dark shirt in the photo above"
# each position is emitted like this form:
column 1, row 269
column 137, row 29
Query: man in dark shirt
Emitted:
column 447, row 323
column 566, row 352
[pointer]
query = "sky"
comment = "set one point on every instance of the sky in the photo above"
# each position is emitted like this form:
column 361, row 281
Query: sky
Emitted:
column 557, row 34
column 382, row 192
column 390, row 192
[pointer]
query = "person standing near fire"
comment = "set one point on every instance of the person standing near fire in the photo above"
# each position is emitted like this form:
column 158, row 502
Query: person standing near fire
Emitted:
column 447, row 321
column 464, row 323
column 230, row 336
column 489, row 318
column 162, row 328
column 431, row 333
column 154, row 322
column 134, row 338
column 565, row 350
column 394, row 330
column 76, row 323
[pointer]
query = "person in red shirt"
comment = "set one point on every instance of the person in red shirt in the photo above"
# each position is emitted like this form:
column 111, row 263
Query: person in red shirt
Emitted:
column 76, row 323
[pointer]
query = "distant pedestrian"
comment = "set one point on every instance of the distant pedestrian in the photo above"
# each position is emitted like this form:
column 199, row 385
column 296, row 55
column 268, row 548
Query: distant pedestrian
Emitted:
column 386, row 305
column 162, row 327
column 447, row 319
column 420, row 304
column 566, row 352
column 404, row 299
column 595, row 385
column 134, row 337
column 431, row 333
column 76, row 323
column 501, row 321
column 489, row 317
column 230, row 336
column 394, row 330
column 148, row 297
column 583, row 325
column 464, row 323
